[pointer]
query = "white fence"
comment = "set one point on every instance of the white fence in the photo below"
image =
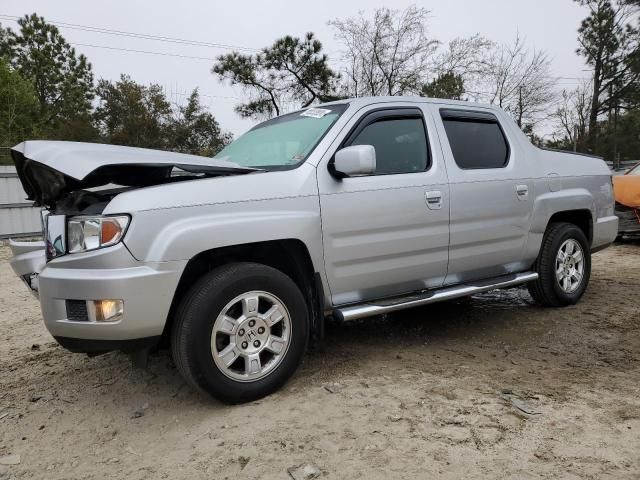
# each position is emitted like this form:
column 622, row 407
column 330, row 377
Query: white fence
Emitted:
column 18, row 217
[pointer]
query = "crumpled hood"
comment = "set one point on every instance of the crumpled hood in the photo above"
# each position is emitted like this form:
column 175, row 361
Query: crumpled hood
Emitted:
column 626, row 189
column 49, row 169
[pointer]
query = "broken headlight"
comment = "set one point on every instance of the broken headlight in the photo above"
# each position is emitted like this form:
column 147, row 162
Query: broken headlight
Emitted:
column 92, row 232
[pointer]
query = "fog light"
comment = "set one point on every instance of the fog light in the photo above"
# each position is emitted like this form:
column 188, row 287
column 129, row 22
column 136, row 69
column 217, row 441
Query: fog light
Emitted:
column 108, row 310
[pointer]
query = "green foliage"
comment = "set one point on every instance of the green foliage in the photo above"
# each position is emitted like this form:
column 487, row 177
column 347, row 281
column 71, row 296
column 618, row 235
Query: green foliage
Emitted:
column 63, row 80
column 196, row 131
column 141, row 116
column 610, row 45
column 292, row 72
column 447, row 85
column 19, row 108
column 133, row 114
column 4, row 42
column 620, row 136
column 46, row 90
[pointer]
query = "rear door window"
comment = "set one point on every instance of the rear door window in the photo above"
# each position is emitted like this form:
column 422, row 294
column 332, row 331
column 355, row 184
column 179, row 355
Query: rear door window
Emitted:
column 476, row 142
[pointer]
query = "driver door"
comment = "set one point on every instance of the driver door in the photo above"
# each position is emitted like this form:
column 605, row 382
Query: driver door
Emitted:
column 388, row 233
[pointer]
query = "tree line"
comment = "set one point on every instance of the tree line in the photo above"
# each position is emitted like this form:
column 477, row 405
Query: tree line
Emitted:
column 47, row 90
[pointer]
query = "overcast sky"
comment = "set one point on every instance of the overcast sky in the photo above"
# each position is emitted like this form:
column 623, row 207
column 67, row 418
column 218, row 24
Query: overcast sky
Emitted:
column 548, row 25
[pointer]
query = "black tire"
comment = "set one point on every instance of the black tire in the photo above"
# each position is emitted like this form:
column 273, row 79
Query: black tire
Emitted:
column 546, row 291
column 197, row 313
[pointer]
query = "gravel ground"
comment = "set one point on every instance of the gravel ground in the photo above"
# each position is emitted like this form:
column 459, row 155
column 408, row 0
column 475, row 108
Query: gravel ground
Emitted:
column 428, row 393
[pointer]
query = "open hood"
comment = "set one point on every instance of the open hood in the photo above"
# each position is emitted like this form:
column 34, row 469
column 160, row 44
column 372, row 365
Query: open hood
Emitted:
column 50, row 169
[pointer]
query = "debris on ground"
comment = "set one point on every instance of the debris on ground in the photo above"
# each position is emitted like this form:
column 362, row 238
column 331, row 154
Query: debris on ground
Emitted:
column 304, row 472
column 13, row 459
column 333, row 387
column 130, row 450
column 139, row 412
column 518, row 402
column 243, row 461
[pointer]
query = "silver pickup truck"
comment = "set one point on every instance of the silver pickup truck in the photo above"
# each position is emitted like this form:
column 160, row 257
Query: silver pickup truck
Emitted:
column 351, row 209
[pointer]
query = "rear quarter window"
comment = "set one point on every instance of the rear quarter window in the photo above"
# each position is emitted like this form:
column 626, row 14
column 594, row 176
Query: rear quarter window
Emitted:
column 476, row 143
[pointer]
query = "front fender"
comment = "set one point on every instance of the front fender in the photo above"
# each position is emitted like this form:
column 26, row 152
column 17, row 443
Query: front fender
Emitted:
column 182, row 233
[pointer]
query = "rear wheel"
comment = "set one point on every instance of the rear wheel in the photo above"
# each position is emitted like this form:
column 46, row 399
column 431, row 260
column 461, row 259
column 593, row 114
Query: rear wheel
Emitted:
column 240, row 332
column 563, row 266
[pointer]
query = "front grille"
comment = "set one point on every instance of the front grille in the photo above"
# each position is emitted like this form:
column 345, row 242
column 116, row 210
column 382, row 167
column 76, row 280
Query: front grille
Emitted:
column 77, row 311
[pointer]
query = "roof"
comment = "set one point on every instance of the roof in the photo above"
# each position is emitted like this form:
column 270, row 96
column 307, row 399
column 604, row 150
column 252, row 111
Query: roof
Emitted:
column 364, row 101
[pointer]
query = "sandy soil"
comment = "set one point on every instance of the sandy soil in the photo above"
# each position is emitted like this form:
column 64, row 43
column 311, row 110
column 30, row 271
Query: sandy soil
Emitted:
column 414, row 395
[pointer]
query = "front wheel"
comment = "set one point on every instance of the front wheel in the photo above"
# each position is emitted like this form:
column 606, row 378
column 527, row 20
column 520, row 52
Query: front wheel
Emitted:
column 240, row 332
column 563, row 266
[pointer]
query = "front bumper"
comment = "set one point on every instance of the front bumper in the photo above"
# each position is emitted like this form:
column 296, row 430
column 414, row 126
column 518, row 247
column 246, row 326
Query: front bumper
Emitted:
column 629, row 219
column 146, row 289
column 27, row 262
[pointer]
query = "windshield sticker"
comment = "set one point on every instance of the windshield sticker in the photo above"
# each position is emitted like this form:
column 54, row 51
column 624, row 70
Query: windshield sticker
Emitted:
column 315, row 112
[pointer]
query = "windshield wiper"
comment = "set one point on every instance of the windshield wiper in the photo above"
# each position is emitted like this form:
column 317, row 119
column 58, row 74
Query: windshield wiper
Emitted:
column 231, row 168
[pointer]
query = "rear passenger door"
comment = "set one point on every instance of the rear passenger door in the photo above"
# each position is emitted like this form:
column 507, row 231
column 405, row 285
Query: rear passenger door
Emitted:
column 491, row 193
column 388, row 233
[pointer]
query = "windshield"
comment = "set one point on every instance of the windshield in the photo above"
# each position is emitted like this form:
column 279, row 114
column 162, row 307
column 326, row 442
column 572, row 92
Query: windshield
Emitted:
column 282, row 142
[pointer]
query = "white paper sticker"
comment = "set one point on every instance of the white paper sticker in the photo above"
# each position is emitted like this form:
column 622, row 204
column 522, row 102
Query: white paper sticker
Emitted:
column 315, row 112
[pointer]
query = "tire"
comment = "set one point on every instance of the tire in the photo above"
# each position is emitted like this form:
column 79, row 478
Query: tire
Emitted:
column 244, row 293
column 549, row 290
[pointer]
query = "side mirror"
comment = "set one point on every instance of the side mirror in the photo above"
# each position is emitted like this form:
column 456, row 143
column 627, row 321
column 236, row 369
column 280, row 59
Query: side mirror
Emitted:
column 355, row 160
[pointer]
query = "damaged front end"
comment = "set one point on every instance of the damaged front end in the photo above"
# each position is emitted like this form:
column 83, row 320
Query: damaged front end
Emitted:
column 74, row 182
column 27, row 262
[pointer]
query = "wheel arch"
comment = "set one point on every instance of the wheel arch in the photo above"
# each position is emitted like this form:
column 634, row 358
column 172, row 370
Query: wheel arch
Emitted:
column 582, row 218
column 290, row 256
column 573, row 204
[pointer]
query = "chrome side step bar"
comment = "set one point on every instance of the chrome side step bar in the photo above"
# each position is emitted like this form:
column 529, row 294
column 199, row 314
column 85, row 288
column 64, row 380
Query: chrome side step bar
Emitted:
column 353, row 312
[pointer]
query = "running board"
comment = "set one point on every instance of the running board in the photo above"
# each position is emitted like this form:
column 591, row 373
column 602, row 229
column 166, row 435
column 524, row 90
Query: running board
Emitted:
column 353, row 312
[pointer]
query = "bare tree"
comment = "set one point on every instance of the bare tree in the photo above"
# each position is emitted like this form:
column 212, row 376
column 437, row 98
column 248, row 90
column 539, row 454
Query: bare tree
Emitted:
column 520, row 82
column 572, row 117
column 389, row 54
column 468, row 59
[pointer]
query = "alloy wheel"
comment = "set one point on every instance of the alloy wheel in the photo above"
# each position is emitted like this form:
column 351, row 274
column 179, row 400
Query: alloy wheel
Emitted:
column 250, row 337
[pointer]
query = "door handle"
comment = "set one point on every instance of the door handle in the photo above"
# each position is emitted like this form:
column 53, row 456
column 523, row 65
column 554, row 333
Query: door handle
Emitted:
column 522, row 191
column 434, row 199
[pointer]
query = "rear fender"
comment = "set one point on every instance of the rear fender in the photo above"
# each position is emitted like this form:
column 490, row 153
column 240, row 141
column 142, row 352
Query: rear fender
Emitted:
column 548, row 204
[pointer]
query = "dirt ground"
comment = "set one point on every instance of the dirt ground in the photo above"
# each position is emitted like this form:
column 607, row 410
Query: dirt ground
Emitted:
column 419, row 394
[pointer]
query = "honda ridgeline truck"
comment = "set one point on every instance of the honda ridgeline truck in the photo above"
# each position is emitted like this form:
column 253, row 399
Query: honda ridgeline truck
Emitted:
column 352, row 209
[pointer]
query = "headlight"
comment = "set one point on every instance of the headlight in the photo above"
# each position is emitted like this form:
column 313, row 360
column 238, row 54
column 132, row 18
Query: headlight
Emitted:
column 92, row 232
